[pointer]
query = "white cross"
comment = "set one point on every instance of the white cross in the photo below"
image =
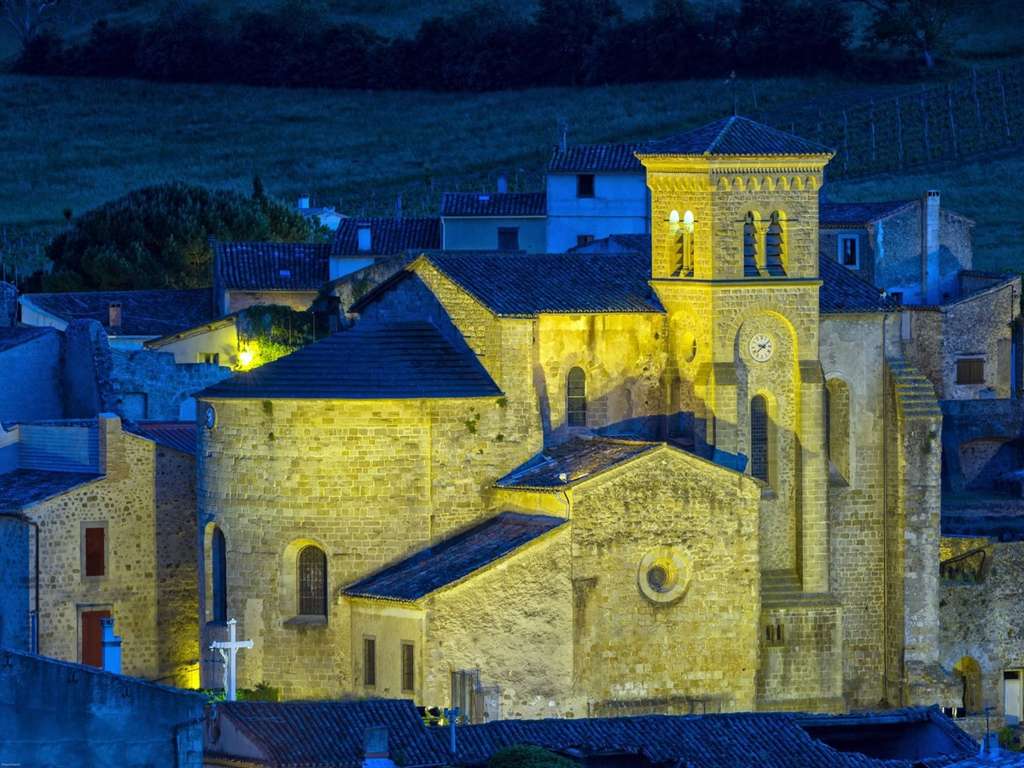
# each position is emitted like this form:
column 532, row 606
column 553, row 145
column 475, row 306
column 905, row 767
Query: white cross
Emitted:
column 228, row 651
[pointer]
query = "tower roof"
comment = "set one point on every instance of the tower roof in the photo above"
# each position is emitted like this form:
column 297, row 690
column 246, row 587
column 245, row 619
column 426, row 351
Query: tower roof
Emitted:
column 735, row 136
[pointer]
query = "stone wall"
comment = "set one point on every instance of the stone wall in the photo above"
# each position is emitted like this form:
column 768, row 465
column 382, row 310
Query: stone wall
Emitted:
column 123, row 499
column 30, row 387
column 150, row 385
column 983, row 619
column 54, row 713
column 700, row 645
column 177, row 575
column 236, row 300
column 980, row 440
column 801, row 665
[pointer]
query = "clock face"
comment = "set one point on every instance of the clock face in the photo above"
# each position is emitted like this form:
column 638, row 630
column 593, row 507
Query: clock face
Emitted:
column 209, row 417
column 761, row 347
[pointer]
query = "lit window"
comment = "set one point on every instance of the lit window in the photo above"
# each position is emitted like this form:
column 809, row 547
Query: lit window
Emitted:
column 849, row 251
column 312, row 582
column 576, row 398
column 759, row 438
column 970, row 370
column 508, row 238
column 408, row 667
column 212, row 358
column 585, row 185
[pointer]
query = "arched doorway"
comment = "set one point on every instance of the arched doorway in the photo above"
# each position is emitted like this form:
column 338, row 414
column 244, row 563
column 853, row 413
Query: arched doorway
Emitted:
column 969, row 672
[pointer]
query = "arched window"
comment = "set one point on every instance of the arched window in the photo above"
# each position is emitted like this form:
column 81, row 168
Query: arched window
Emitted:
column 576, row 398
column 312, row 565
column 759, row 458
column 218, row 554
column 837, row 425
column 750, row 254
column 774, row 247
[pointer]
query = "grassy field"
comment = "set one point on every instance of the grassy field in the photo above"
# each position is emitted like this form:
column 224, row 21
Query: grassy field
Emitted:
column 72, row 144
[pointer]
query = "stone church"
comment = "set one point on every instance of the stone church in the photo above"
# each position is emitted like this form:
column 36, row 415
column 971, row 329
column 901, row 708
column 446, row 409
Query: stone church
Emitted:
column 699, row 477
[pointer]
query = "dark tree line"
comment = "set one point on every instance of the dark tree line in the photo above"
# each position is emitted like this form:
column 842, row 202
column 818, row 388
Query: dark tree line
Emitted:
column 566, row 42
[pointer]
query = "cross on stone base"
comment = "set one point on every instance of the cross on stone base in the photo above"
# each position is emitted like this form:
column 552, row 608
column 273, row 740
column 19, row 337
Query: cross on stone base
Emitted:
column 228, row 651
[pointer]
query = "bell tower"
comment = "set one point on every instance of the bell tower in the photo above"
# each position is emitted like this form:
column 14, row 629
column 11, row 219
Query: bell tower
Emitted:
column 734, row 260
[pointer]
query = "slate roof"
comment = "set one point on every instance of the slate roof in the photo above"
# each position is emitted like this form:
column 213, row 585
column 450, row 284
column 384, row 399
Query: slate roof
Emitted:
column 17, row 335
column 590, row 158
column 271, row 266
column 157, row 312
column 528, row 284
column 857, row 214
column 177, row 435
column 735, row 136
column 23, row 487
column 572, row 461
column 388, row 237
column 639, row 243
column 387, row 361
column 742, row 740
column 455, row 558
column 494, row 204
column 842, row 291
column 318, row 734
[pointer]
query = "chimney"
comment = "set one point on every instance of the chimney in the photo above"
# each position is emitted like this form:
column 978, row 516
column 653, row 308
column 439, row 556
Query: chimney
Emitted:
column 114, row 314
column 932, row 288
column 304, row 203
column 364, row 239
column 502, row 184
column 111, row 647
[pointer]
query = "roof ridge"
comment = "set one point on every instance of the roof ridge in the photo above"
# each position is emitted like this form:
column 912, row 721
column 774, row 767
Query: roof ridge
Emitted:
column 720, row 135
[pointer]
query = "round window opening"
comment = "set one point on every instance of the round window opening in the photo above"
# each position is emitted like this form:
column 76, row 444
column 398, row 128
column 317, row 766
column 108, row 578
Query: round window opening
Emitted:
column 663, row 575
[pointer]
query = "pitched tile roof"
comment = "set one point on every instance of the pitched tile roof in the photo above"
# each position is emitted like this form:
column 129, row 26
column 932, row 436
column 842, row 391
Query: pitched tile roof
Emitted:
column 387, row 361
column 455, row 558
column 24, row 487
column 528, row 284
column 616, row 244
column 17, row 335
column 858, row 214
column 157, row 312
column 734, row 136
column 741, row 740
column 388, row 237
column 271, row 266
column 572, row 461
column 588, row 158
column 318, row 734
column 178, row 435
column 844, row 292
column 494, row 204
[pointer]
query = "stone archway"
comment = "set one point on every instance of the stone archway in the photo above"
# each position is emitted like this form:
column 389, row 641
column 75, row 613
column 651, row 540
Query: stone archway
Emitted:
column 968, row 670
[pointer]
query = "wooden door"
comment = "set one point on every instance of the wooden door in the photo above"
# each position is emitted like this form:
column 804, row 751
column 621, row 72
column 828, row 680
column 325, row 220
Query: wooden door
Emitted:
column 92, row 637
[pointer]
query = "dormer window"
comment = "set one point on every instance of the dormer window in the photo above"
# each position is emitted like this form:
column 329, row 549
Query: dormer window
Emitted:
column 364, row 242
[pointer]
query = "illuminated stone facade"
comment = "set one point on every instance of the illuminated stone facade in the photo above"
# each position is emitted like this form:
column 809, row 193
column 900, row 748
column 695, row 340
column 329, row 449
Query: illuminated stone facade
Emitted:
column 737, row 564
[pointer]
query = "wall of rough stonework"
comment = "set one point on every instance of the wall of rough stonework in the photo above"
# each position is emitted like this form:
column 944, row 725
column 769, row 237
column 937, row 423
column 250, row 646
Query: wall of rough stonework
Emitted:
column 235, row 301
column 16, row 578
column 30, row 387
column 702, row 647
column 922, row 334
column 150, row 385
column 983, row 620
column 177, row 577
column 803, row 670
column 851, row 352
column 53, row 713
column 980, row 441
column 124, row 500
column 514, row 623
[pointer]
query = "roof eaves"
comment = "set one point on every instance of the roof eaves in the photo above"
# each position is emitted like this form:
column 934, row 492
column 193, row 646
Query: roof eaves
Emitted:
column 193, row 331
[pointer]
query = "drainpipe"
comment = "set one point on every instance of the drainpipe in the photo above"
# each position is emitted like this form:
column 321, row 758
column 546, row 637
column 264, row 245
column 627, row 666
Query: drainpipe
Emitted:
column 885, row 523
column 34, row 639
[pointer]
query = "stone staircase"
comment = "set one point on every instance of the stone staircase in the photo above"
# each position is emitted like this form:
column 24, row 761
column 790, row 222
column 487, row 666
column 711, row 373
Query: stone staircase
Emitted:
column 782, row 589
column 915, row 395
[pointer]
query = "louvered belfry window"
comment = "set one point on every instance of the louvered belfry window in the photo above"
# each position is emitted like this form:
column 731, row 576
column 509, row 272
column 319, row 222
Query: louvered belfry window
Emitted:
column 312, row 582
